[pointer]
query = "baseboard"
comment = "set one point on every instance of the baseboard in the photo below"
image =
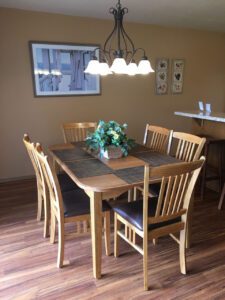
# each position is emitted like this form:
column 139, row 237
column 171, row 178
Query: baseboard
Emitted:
column 5, row 180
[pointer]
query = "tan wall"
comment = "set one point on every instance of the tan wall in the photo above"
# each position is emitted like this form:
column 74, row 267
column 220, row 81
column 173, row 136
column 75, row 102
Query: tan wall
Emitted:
column 125, row 99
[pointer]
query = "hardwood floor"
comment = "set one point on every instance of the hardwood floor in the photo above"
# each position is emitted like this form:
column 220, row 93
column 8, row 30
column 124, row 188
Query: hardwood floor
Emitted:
column 28, row 261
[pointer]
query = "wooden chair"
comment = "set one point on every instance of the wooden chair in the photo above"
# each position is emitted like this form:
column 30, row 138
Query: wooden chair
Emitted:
column 153, row 218
column 76, row 132
column 41, row 189
column 69, row 207
column 65, row 182
column 189, row 147
column 158, row 138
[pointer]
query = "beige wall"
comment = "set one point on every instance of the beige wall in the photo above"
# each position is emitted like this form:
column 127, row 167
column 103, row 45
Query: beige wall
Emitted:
column 125, row 99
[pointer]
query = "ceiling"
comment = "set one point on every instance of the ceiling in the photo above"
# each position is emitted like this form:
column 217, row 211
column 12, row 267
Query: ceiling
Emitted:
column 200, row 14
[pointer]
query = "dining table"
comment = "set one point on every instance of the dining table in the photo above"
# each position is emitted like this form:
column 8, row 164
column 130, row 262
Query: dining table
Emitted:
column 103, row 178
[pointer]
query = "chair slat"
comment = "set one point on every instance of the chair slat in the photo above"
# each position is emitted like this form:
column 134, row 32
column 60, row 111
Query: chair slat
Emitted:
column 161, row 196
column 173, row 195
column 178, row 194
column 168, row 194
column 181, row 200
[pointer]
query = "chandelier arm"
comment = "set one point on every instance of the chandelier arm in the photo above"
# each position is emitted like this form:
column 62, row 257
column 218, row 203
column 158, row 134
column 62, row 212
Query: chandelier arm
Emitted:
column 111, row 52
column 103, row 55
column 124, row 41
column 136, row 50
column 129, row 59
column 110, row 49
column 94, row 52
column 112, row 11
column 129, row 39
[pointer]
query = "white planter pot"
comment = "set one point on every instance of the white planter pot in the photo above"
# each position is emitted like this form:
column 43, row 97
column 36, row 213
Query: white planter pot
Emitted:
column 112, row 152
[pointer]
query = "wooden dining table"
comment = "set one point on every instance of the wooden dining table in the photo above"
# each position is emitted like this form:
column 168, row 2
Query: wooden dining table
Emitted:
column 102, row 179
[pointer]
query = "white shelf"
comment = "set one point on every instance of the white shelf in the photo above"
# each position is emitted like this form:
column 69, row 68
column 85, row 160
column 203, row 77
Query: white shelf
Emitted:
column 213, row 116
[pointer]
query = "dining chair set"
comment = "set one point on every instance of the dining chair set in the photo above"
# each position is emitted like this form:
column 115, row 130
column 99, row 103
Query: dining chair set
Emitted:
column 155, row 210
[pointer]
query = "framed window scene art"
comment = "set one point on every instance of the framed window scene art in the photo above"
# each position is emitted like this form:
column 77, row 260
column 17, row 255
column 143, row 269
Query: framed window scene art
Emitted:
column 58, row 69
column 162, row 68
column 177, row 76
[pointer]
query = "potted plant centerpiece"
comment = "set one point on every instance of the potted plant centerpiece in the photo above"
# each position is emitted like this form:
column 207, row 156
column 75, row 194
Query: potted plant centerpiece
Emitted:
column 110, row 140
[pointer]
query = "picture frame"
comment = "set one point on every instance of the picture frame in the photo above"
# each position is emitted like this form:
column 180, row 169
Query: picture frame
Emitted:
column 162, row 69
column 58, row 69
column 177, row 76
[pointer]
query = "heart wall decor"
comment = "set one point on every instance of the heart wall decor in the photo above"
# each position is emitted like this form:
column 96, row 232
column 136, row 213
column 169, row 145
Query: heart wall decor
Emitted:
column 177, row 76
column 161, row 73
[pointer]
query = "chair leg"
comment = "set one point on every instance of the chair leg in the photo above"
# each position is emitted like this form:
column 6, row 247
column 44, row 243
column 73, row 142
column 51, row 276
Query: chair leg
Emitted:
column 130, row 195
column 145, row 262
column 220, row 169
column 40, row 202
column 116, row 237
column 155, row 241
column 53, row 225
column 188, row 233
column 61, row 237
column 47, row 216
column 203, row 179
column 182, row 251
column 222, row 197
column 107, row 233
column 135, row 194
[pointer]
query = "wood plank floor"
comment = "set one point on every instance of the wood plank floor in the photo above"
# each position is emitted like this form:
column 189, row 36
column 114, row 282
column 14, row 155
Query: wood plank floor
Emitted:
column 28, row 261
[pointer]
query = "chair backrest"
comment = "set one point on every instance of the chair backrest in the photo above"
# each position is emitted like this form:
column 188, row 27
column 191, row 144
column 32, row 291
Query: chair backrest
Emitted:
column 51, row 180
column 76, row 132
column 178, row 181
column 158, row 138
column 31, row 152
column 189, row 146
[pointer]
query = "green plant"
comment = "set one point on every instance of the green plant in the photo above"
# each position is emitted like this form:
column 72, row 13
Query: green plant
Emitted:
column 109, row 134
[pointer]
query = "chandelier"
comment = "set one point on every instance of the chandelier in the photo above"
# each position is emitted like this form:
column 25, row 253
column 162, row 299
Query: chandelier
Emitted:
column 118, row 54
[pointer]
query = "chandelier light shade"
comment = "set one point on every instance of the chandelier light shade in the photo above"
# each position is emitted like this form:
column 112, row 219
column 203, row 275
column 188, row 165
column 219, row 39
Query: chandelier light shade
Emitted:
column 118, row 53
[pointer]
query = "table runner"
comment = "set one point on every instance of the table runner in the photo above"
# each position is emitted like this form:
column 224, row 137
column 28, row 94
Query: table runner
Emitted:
column 72, row 154
column 84, row 164
column 88, row 168
column 156, row 159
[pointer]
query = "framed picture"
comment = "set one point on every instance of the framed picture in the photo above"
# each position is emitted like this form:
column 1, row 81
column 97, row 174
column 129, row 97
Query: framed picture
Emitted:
column 162, row 67
column 58, row 69
column 177, row 76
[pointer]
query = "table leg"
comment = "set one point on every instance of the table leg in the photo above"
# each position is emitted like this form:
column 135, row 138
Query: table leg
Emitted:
column 96, row 232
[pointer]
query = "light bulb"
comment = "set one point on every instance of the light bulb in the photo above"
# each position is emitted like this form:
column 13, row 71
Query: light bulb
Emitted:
column 144, row 67
column 119, row 66
column 104, row 69
column 93, row 67
column 132, row 68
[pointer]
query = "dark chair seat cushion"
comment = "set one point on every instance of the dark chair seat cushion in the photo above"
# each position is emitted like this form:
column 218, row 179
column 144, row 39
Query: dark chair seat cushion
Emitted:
column 133, row 213
column 66, row 183
column 77, row 203
column 154, row 189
